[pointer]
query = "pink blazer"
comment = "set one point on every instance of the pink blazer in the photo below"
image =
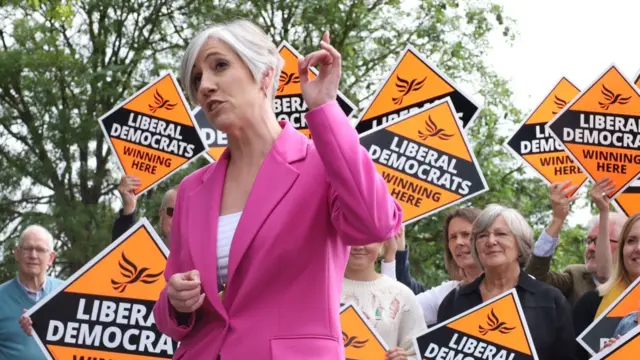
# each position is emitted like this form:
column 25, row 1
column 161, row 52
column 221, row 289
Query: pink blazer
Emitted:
column 310, row 201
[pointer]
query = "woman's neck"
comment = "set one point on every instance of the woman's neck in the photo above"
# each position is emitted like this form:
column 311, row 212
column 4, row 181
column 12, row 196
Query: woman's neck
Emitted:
column 368, row 274
column 499, row 280
column 470, row 274
column 249, row 144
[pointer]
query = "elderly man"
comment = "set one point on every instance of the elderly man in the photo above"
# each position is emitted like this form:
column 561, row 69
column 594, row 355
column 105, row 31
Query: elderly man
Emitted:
column 127, row 215
column 35, row 255
column 577, row 279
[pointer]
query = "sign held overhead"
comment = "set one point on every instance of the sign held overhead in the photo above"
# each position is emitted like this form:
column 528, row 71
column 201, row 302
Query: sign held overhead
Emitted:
column 413, row 85
column 533, row 142
column 153, row 133
column 105, row 309
column 600, row 129
column 426, row 160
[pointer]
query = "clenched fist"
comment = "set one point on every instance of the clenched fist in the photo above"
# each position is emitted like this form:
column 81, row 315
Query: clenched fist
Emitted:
column 185, row 292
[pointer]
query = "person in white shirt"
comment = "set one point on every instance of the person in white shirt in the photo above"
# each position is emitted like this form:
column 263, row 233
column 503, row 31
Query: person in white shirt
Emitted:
column 461, row 266
column 389, row 306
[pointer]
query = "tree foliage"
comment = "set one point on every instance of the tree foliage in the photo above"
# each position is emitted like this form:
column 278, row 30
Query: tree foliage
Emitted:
column 63, row 64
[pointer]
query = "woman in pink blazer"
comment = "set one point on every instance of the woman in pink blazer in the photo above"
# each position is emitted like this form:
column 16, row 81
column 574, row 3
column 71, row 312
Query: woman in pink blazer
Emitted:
column 270, row 224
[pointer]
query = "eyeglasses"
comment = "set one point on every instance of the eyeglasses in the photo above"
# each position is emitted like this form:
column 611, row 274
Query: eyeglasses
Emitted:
column 498, row 235
column 25, row 250
column 588, row 241
column 169, row 211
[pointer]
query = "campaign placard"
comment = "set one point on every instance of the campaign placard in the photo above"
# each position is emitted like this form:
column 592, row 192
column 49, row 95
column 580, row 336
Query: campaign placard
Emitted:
column 413, row 85
column 105, row 309
column 495, row 329
column 215, row 139
column 361, row 341
column 153, row 133
column 603, row 327
column 629, row 200
column 625, row 348
column 600, row 129
column 288, row 103
column 426, row 160
column 533, row 143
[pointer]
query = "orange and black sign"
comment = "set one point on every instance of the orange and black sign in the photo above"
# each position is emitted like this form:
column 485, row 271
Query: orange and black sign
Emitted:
column 153, row 133
column 361, row 342
column 288, row 103
column 600, row 129
column 413, row 84
column 533, row 142
column 603, row 327
column 625, row 348
column 629, row 200
column 426, row 160
column 496, row 329
column 215, row 139
column 105, row 309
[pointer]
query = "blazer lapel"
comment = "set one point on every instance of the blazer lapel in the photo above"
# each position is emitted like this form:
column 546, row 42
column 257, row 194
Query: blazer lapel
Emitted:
column 204, row 243
column 274, row 180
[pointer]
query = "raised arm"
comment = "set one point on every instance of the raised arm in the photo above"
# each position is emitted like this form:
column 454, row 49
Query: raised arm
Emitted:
column 604, row 263
column 362, row 208
column 539, row 265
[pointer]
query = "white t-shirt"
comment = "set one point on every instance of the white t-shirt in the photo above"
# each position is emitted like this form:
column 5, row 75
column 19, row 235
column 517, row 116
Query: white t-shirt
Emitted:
column 227, row 225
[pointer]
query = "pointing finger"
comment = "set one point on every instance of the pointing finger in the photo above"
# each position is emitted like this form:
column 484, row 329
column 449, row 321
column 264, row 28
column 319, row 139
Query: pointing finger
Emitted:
column 326, row 37
column 334, row 55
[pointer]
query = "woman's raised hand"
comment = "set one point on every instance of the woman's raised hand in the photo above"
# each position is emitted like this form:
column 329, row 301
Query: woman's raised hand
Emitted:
column 324, row 88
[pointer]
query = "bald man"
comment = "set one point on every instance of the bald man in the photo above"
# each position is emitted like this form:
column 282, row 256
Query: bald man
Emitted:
column 35, row 256
column 127, row 215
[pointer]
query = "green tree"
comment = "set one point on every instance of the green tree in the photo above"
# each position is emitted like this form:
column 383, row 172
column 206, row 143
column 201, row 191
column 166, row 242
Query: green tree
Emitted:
column 65, row 63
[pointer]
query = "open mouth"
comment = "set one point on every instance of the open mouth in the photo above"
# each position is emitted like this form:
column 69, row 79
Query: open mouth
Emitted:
column 214, row 105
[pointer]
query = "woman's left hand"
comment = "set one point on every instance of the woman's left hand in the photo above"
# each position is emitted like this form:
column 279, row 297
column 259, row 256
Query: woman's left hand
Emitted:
column 324, row 88
column 396, row 354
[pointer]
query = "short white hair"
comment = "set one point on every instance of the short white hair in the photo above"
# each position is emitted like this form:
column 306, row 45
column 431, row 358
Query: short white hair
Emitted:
column 37, row 229
column 252, row 44
column 616, row 220
column 517, row 224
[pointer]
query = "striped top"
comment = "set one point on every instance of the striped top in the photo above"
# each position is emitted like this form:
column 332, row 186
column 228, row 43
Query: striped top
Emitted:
column 226, row 228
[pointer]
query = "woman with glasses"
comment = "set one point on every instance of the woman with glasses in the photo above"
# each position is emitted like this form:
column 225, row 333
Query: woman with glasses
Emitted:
column 501, row 242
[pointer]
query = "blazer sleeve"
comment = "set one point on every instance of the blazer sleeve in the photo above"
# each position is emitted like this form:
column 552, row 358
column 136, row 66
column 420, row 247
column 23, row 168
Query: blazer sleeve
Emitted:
column 540, row 268
column 362, row 209
column 170, row 322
